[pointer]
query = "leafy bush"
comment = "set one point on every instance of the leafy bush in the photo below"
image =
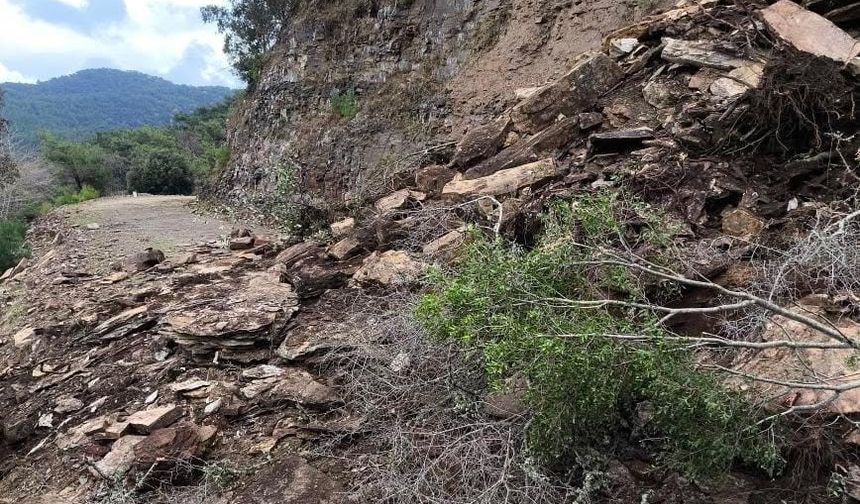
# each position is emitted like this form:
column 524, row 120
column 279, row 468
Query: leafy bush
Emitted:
column 345, row 104
column 584, row 386
column 12, row 233
column 70, row 197
column 165, row 172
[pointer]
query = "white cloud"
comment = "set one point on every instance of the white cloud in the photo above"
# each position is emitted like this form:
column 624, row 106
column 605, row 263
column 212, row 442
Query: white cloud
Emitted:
column 7, row 75
column 77, row 4
column 152, row 38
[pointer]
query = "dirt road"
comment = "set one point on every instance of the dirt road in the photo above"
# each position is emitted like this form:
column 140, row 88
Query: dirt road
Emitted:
column 127, row 225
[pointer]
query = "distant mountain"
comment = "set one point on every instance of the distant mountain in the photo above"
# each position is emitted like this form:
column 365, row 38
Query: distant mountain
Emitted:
column 78, row 105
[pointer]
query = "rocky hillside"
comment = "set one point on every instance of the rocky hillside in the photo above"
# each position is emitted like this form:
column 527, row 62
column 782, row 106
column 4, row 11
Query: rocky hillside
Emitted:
column 418, row 75
column 516, row 239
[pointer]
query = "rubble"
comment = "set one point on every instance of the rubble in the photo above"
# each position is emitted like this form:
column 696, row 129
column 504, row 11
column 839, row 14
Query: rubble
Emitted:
column 481, row 142
column 699, row 53
column 342, row 228
column 446, row 246
column 432, row 179
column 398, row 200
column 803, row 365
column 619, row 140
column 120, row 458
column 239, row 320
column 24, row 338
column 345, row 248
column 253, row 338
column 145, row 260
column 184, row 441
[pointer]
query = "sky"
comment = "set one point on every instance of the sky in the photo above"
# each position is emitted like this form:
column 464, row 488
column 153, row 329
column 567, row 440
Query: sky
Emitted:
column 42, row 39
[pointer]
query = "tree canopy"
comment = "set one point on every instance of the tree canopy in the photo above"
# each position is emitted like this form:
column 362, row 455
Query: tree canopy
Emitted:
column 250, row 29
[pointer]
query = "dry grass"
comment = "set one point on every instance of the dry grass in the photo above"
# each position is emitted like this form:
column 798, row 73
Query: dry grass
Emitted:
column 430, row 440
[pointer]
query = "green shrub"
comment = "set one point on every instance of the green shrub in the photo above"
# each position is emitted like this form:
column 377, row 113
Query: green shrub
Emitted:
column 584, row 387
column 345, row 104
column 69, row 196
column 165, row 172
column 12, row 233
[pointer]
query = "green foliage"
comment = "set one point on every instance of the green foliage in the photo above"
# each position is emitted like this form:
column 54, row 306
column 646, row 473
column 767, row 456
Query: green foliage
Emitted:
column 107, row 160
column 12, row 233
column 345, row 104
column 585, row 387
column 295, row 211
column 250, row 29
column 8, row 168
column 79, row 105
column 70, row 197
column 165, row 172
column 78, row 163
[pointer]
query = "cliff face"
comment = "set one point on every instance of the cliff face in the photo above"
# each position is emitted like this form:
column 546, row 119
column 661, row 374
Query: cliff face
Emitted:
column 407, row 79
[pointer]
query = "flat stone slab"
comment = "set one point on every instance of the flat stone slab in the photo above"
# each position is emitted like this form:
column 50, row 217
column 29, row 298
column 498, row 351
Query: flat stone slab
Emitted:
column 149, row 420
column 809, row 32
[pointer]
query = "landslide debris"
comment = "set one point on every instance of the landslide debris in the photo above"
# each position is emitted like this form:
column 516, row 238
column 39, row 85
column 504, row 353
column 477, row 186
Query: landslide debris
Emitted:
column 246, row 352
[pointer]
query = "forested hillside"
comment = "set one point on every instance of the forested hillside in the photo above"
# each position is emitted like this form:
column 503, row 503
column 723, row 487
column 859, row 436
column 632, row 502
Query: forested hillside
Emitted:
column 89, row 101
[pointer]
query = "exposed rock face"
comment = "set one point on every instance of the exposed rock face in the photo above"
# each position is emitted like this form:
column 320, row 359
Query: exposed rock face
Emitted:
column 448, row 67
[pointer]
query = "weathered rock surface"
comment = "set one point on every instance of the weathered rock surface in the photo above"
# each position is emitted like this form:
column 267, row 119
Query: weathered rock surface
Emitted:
column 119, row 459
column 481, row 142
column 392, row 267
column 699, row 53
column 504, row 181
column 342, row 228
column 575, row 92
column 239, row 319
column 148, row 420
column 399, row 200
column 809, row 32
column 431, row 179
column 145, row 260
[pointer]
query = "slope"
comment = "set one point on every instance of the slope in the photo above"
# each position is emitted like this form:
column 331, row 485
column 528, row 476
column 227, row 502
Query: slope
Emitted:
column 89, row 101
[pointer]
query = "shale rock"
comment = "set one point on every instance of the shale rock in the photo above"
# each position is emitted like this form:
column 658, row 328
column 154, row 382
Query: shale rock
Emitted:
column 504, row 181
column 145, row 260
column 809, row 32
column 575, row 92
column 392, row 267
column 481, row 142
column 235, row 319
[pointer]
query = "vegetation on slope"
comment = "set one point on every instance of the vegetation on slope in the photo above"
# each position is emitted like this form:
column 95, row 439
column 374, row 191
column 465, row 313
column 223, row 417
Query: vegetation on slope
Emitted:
column 160, row 160
column 78, row 106
column 540, row 314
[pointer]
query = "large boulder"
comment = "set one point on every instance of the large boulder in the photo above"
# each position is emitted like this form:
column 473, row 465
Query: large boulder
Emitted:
column 389, row 268
column 577, row 91
column 481, row 142
column 809, row 32
column 504, row 181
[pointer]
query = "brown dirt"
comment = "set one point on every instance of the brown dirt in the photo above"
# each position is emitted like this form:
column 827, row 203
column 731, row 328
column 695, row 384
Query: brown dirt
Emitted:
column 128, row 225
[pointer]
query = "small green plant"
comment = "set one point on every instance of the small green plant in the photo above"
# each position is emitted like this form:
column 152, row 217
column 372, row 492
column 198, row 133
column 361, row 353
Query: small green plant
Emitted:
column 294, row 210
column 69, row 196
column 345, row 104
column 585, row 386
column 12, row 234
